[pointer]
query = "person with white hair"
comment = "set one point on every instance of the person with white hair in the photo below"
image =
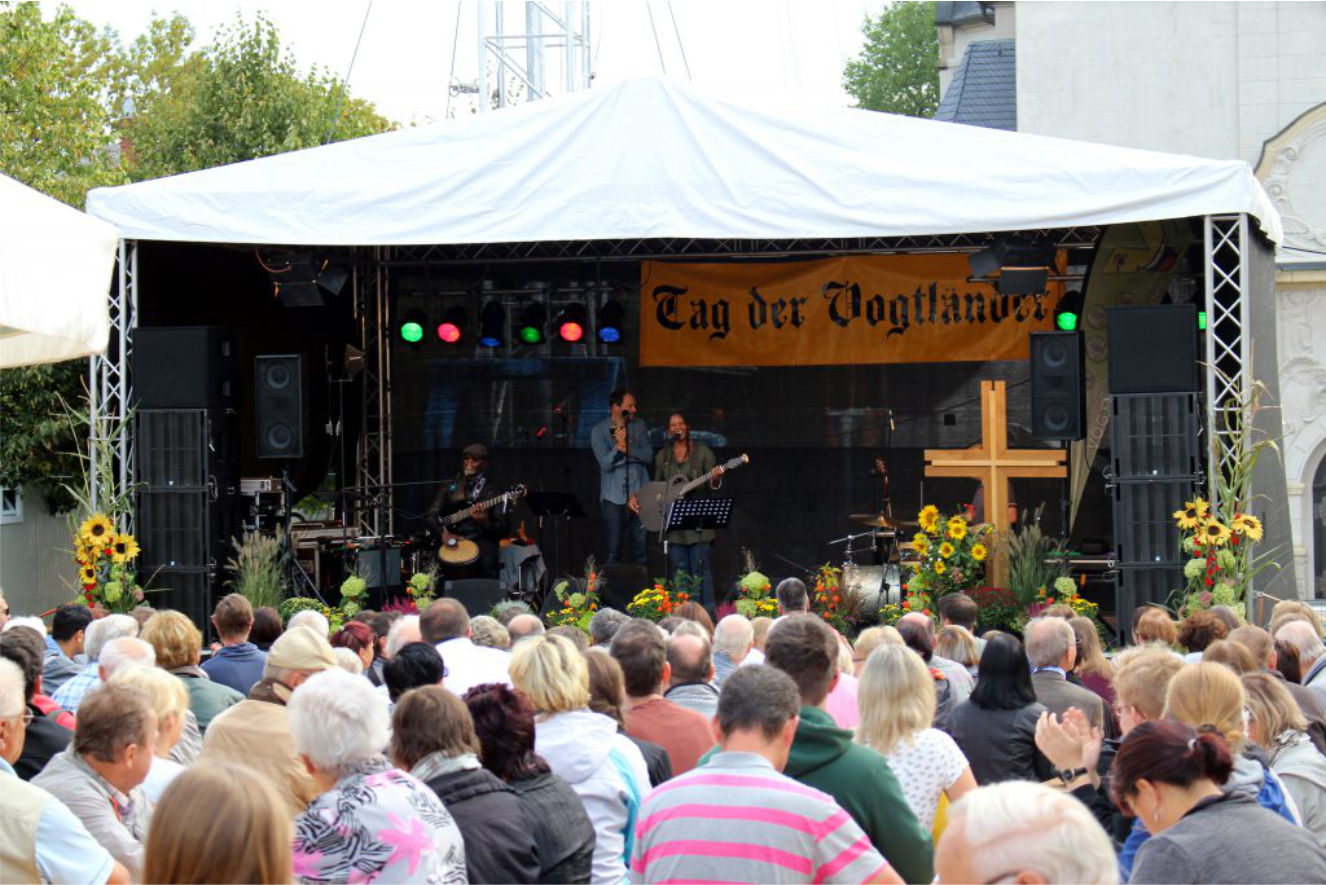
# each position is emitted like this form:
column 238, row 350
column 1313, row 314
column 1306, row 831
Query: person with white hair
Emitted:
column 367, row 811
column 1311, row 653
column 122, row 653
column 1018, row 831
column 401, row 634
column 1052, row 650
column 734, row 637
column 41, row 840
column 26, row 621
column 256, row 731
column 314, row 620
column 99, row 632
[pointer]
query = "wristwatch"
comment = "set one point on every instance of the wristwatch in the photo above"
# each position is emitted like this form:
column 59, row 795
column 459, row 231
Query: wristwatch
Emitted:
column 1068, row 775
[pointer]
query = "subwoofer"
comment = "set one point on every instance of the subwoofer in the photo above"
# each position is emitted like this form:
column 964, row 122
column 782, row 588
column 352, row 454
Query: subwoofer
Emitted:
column 279, row 406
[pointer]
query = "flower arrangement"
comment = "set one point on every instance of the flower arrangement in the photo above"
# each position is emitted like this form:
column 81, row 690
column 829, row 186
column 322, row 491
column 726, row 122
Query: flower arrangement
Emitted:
column 890, row 614
column 950, row 553
column 913, row 600
column 105, row 560
column 655, row 603
column 578, row 606
column 421, row 588
column 754, row 593
column 998, row 609
column 1220, row 555
column 827, row 595
column 1063, row 591
column 288, row 608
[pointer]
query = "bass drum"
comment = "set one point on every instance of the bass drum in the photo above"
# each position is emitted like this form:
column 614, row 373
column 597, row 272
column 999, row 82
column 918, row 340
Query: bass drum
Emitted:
column 879, row 585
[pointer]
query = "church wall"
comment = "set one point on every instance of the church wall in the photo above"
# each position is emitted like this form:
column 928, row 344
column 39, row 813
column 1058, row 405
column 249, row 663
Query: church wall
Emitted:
column 1209, row 79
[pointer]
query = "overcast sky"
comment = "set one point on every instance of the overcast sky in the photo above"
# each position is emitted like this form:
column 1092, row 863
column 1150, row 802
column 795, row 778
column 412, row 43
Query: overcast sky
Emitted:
column 405, row 57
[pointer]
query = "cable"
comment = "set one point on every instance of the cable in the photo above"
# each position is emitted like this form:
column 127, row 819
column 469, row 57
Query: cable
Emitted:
column 451, row 74
column 650, row 9
column 680, row 45
column 345, row 82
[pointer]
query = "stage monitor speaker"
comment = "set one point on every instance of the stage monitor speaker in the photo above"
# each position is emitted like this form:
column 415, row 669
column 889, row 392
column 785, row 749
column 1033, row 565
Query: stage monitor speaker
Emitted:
column 1153, row 349
column 1058, row 396
column 185, row 367
column 478, row 595
column 618, row 583
column 279, row 405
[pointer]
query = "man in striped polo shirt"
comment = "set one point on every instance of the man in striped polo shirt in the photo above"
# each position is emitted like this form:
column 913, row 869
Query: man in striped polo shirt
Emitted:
column 737, row 818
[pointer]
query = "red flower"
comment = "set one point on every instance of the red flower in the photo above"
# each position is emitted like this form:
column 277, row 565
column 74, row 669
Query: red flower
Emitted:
column 925, row 611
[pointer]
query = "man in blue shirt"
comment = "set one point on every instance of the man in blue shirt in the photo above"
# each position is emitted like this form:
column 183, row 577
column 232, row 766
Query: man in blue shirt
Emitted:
column 238, row 663
column 622, row 449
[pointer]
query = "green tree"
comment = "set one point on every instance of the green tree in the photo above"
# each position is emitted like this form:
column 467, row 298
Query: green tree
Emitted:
column 79, row 109
column 240, row 98
column 898, row 68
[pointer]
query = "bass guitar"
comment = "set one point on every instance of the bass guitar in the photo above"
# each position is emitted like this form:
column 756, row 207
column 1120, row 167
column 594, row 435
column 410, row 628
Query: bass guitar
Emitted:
column 456, row 550
column 656, row 497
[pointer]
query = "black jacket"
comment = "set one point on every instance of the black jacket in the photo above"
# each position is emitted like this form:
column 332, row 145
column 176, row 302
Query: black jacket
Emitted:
column 657, row 762
column 999, row 744
column 561, row 828
column 45, row 738
column 499, row 846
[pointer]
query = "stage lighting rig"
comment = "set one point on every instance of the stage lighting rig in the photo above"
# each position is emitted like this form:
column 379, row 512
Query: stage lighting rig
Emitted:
column 572, row 322
column 452, row 328
column 492, row 325
column 533, row 320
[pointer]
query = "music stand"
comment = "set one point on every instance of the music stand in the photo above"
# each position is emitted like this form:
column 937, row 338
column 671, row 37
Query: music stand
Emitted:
column 556, row 506
column 698, row 513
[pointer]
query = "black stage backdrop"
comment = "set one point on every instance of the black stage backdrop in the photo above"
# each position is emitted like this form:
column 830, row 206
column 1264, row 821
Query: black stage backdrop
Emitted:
column 812, row 434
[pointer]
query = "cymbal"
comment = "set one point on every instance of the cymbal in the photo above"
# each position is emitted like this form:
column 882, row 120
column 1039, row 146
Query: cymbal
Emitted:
column 880, row 521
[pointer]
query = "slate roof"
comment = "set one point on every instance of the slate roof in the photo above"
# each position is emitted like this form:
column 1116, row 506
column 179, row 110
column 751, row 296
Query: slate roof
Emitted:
column 983, row 91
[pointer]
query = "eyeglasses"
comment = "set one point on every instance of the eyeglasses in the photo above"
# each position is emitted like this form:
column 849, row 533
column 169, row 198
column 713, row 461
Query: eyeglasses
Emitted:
column 26, row 716
column 1119, row 708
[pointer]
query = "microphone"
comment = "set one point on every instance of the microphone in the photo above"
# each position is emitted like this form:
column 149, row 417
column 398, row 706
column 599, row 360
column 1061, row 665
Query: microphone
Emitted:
column 676, row 437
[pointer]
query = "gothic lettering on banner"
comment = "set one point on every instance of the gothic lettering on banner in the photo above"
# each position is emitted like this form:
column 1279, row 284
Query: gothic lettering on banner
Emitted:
column 833, row 311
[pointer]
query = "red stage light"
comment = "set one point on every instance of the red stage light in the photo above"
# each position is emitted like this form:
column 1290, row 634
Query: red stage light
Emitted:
column 571, row 331
column 449, row 332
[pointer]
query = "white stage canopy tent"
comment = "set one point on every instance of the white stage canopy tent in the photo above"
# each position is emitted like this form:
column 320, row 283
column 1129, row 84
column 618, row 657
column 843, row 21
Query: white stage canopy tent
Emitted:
column 55, row 271
column 655, row 158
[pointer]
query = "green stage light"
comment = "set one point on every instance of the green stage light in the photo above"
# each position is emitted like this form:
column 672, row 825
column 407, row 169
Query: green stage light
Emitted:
column 533, row 319
column 1201, row 320
column 1067, row 322
column 1068, row 312
column 412, row 328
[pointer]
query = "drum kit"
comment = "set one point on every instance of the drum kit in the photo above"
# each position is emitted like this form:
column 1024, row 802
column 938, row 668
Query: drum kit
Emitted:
column 880, row 581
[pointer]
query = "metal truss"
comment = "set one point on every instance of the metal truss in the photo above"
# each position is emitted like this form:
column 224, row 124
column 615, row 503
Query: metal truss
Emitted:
column 545, row 28
column 1228, row 338
column 688, row 247
column 374, row 510
column 110, row 386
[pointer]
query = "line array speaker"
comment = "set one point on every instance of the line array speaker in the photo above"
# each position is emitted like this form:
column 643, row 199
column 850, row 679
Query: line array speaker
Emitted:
column 185, row 367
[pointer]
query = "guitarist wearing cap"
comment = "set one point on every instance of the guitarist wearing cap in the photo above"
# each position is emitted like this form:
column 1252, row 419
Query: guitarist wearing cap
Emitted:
column 486, row 528
column 688, row 549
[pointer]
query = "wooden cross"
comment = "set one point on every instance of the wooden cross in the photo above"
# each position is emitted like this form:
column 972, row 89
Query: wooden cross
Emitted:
column 993, row 463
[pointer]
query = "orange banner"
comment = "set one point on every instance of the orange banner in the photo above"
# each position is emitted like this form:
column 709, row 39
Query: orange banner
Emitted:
column 833, row 311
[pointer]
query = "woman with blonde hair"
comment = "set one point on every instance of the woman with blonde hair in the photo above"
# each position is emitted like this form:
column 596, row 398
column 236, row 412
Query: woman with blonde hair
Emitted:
column 171, row 704
column 582, row 747
column 1209, row 695
column 897, row 698
column 219, row 822
column 1277, row 725
column 956, row 644
column 867, row 641
column 178, row 646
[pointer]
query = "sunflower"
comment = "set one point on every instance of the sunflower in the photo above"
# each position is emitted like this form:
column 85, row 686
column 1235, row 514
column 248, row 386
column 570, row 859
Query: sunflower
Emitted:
column 957, row 528
column 1214, row 533
column 88, row 574
column 940, row 568
column 1192, row 515
column 95, row 531
column 1249, row 526
column 978, row 552
column 946, row 550
column 123, row 548
column 929, row 518
column 920, row 542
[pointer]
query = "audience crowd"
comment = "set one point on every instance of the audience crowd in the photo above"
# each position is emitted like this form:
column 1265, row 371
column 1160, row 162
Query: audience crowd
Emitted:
column 453, row 746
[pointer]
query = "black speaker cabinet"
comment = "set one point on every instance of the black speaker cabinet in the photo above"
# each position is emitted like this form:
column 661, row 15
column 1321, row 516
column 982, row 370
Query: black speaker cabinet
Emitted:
column 185, row 367
column 1058, row 395
column 1154, row 349
column 279, row 405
